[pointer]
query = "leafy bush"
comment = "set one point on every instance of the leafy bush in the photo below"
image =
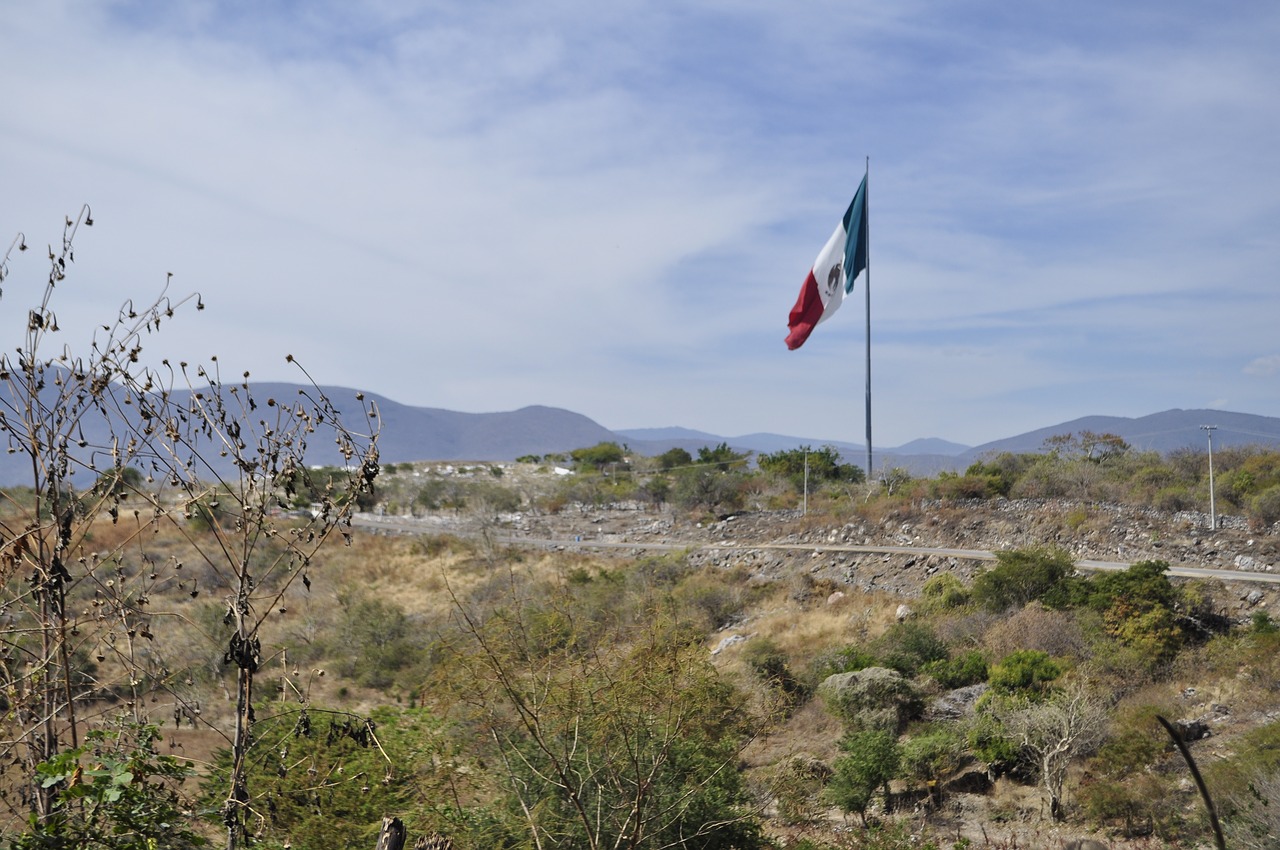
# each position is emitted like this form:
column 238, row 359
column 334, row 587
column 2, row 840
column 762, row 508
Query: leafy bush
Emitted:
column 948, row 485
column 968, row 668
column 116, row 792
column 769, row 664
column 908, row 645
column 374, row 641
column 1026, row 673
column 325, row 779
column 943, row 592
column 931, row 754
column 1139, row 609
column 707, row 488
column 843, row 659
column 1025, row 575
column 821, row 465
column 1264, row 508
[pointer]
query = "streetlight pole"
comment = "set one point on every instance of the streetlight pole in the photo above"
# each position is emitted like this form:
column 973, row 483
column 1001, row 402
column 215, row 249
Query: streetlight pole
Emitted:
column 1213, row 509
column 805, row 511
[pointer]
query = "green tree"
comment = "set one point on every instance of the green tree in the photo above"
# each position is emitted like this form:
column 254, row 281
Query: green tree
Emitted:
column 599, row 456
column 871, row 759
column 1139, row 608
column 822, row 464
column 707, row 488
column 674, row 457
column 722, row 457
column 930, row 755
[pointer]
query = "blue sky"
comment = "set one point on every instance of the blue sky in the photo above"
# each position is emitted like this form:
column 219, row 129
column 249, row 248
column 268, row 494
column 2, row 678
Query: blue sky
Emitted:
column 610, row 207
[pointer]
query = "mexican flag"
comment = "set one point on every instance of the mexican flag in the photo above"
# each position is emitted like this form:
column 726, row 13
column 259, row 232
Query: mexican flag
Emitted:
column 838, row 265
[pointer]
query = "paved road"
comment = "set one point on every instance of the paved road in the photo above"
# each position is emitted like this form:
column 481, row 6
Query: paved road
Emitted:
column 406, row 526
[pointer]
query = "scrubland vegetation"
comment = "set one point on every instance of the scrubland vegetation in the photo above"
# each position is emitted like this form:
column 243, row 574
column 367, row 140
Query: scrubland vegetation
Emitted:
column 198, row 648
column 523, row 697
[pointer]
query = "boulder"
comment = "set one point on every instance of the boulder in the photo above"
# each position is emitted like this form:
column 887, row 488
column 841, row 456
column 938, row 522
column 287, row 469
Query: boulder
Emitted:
column 872, row 698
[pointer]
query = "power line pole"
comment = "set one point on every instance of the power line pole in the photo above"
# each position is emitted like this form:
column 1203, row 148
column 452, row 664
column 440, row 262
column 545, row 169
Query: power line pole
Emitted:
column 1213, row 509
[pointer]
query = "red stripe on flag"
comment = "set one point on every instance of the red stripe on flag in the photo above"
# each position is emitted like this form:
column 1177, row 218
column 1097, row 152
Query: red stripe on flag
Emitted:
column 805, row 315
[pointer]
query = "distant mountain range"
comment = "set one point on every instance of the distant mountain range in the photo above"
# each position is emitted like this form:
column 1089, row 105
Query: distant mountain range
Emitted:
column 424, row 433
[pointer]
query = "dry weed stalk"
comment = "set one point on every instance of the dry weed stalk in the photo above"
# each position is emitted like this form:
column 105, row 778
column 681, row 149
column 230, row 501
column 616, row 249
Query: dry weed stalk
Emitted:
column 148, row 447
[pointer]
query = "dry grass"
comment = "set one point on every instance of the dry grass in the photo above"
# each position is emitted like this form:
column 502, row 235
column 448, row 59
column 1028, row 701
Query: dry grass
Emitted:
column 810, row 731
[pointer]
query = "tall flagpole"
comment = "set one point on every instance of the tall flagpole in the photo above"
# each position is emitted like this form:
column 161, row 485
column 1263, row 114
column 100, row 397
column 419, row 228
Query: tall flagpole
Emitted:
column 867, row 290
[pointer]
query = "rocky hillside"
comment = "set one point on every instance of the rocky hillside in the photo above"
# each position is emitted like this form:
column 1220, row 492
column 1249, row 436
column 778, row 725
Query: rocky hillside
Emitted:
column 1090, row 532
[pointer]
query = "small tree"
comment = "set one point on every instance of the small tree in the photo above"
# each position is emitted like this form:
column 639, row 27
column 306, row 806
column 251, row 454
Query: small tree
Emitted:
column 598, row 456
column 870, row 761
column 931, row 754
column 722, row 457
column 672, row 458
column 1068, row 725
column 821, row 464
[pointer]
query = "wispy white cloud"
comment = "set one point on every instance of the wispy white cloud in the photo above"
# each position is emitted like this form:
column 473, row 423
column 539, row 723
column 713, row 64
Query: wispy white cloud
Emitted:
column 1263, row 366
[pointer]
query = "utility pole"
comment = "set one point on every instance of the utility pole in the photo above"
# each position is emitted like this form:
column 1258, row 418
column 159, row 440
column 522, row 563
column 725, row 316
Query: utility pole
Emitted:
column 1213, row 510
column 805, row 511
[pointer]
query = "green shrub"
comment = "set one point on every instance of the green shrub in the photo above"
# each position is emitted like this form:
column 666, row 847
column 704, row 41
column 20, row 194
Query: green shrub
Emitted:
column 769, row 664
column 1264, row 508
column 943, row 592
column 908, row 645
column 948, row 485
column 931, row 754
column 1026, row 673
column 114, row 792
column 968, row 668
column 844, row 659
column 1139, row 608
column 328, row 778
column 374, row 641
column 1025, row 575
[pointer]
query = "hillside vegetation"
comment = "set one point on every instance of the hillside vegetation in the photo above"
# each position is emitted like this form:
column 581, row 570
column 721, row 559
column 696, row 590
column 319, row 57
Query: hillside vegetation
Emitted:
column 526, row 694
column 208, row 640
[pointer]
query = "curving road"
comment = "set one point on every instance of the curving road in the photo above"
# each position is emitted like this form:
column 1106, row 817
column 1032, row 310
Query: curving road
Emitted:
column 407, row 526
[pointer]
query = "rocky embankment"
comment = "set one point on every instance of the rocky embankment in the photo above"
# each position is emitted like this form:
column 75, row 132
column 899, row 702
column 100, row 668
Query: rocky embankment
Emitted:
column 779, row 545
